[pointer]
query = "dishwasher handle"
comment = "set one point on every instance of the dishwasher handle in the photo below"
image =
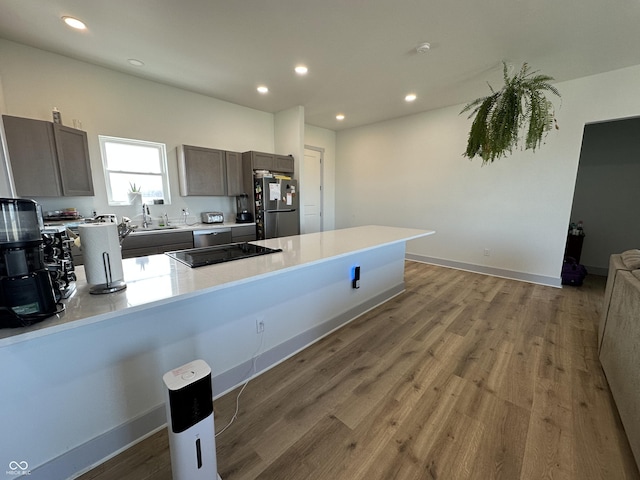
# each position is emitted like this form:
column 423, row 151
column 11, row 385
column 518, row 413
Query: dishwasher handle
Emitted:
column 206, row 238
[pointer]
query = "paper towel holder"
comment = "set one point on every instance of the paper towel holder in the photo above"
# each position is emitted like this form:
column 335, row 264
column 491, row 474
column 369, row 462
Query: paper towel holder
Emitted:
column 110, row 286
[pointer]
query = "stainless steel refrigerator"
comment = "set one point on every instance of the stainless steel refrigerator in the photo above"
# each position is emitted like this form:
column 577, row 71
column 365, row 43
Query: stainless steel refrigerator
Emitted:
column 277, row 207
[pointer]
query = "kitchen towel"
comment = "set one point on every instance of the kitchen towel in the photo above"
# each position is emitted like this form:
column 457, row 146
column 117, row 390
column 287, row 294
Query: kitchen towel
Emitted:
column 95, row 240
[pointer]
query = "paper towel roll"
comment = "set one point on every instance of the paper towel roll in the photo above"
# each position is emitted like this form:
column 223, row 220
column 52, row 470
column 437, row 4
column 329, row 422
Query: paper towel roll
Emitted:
column 97, row 238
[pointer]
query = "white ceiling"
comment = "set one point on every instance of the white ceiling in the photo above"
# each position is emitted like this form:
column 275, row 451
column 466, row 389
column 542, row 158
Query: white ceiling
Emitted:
column 360, row 53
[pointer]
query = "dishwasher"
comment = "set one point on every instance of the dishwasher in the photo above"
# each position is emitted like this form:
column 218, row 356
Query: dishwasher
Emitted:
column 206, row 238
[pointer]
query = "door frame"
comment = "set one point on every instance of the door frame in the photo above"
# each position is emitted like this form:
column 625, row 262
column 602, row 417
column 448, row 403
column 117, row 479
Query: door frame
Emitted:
column 320, row 150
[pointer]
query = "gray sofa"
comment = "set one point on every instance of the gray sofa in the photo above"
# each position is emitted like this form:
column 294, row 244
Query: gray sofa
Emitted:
column 619, row 341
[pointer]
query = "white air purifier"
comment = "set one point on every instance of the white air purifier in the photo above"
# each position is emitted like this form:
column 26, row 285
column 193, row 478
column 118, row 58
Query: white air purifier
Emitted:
column 192, row 438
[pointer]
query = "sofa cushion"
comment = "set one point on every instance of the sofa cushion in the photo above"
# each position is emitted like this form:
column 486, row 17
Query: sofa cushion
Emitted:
column 631, row 259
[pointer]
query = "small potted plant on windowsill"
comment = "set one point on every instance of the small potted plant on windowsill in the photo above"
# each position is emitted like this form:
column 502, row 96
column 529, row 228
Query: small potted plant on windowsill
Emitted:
column 135, row 194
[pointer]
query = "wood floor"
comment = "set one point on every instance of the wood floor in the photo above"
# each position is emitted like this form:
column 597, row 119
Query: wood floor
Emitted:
column 463, row 376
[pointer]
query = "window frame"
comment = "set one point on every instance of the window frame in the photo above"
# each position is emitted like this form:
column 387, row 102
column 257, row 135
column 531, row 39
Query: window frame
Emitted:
column 164, row 172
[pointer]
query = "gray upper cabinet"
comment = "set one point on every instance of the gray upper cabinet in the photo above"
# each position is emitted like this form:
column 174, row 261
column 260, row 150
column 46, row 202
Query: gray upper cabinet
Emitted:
column 202, row 171
column 261, row 161
column 268, row 161
column 209, row 172
column 234, row 173
column 48, row 160
column 282, row 163
column 73, row 158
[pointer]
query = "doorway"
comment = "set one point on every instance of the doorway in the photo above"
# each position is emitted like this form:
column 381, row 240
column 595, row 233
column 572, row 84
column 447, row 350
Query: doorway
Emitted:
column 312, row 193
column 606, row 193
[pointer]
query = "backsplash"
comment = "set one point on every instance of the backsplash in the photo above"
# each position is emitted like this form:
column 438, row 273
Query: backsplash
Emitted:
column 87, row 205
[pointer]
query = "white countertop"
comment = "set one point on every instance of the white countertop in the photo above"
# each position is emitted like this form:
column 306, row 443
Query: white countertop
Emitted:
column 158, row 279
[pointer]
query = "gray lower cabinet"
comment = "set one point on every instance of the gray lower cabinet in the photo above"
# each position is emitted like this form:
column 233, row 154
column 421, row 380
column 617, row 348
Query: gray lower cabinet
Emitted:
column 141, row 245
column 47, row 159
column 246, row 233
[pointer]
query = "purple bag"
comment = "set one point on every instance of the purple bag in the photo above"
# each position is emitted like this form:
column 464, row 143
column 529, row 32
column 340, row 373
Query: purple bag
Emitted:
column 572, row 272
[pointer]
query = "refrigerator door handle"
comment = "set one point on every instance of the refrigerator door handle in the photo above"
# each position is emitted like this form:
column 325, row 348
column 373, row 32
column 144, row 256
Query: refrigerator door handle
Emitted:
column 276, row 211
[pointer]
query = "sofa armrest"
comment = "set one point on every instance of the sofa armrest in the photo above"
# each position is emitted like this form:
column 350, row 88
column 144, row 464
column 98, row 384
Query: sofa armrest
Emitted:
column 620, row 354
column 615, row 264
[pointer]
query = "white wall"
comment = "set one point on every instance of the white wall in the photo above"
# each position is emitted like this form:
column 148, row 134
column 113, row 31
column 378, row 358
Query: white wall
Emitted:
column 607, row 198
column 289, row 134
column 113, row 103
column 410, row 172
column 289, row 140
column 326, row 140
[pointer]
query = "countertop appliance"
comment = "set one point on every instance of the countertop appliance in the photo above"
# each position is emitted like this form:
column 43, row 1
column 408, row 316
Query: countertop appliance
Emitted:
column 199, row 257
column 207, row 238
column 59, row 260
column 26, row 290
column 243, row 215
column 212, row 217
column 277, row 207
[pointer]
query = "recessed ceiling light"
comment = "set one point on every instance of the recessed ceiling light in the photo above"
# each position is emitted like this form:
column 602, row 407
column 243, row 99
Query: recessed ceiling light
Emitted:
column 135, row 62
column 410, row 98
column 74, row 23
column 263, row 89
column 301, row 70
column 340, row 117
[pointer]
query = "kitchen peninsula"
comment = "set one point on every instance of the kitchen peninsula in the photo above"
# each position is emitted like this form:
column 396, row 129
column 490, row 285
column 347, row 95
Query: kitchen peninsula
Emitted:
column 89, row 383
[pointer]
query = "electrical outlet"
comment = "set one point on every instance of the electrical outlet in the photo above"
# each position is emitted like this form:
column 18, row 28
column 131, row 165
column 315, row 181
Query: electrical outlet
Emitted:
column 259, row 325
column 487, row 252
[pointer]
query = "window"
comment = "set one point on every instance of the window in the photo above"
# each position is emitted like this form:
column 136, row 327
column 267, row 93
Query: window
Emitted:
column 134, row 165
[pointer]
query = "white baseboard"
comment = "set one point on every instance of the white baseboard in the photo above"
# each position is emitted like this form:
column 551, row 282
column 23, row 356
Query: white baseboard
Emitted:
column 602, row 271
column 496, row 272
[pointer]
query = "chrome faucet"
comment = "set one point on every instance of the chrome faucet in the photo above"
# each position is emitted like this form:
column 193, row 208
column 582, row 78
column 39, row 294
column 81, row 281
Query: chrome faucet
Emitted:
column 146, row 217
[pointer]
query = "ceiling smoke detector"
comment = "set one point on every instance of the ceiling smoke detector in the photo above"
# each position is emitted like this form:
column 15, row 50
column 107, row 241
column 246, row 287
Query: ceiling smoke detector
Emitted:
column 423, row 47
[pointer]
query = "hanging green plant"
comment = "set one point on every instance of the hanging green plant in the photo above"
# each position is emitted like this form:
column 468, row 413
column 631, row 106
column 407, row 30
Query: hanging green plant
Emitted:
column 519, row 109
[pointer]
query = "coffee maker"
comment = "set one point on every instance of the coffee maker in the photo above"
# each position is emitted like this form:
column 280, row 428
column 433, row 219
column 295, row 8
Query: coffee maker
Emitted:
column 26, row 290
column 243, row 215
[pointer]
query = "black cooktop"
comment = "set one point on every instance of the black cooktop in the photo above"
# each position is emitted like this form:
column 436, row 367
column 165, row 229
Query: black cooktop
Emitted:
column 198, row 257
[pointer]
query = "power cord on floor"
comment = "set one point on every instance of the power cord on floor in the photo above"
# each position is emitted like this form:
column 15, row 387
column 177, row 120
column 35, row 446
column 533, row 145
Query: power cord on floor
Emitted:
column 252, row 372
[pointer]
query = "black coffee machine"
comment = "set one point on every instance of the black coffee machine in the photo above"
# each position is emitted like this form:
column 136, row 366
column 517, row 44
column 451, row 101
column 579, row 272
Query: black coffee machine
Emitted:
column 26, row 290
column 243, row 215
